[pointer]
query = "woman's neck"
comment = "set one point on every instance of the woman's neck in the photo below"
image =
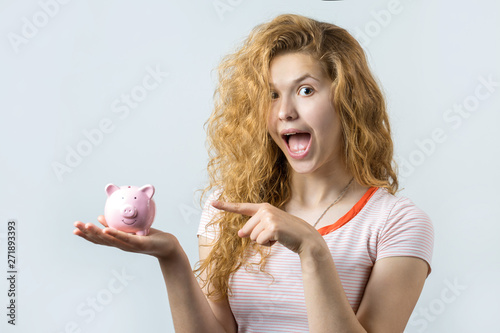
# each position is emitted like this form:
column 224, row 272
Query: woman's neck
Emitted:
column 315, row 189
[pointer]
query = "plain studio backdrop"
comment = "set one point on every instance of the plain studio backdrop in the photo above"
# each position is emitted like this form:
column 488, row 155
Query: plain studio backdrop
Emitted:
column 97, row 92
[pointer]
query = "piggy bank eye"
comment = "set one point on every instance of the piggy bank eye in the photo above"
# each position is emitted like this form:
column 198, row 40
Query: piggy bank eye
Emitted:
column 135, row 197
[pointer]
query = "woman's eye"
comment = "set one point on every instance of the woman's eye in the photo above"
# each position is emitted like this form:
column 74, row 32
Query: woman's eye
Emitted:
column 306, row 91
column 274, row 95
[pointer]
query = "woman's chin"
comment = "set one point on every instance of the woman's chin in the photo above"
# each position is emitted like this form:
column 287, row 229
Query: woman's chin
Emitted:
column 301, row 167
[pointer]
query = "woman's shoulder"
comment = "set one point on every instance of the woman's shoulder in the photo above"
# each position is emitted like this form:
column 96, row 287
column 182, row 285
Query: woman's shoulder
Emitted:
column 383, row 197
column 398, row 212
column 405, row 230
column 393, row 207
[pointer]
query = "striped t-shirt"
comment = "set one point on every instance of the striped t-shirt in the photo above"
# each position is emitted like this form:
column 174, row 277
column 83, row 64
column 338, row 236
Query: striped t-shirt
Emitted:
column 380, row 225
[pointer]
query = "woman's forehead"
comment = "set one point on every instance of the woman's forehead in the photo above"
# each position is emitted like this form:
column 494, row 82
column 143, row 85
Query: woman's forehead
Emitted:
column 290, row 68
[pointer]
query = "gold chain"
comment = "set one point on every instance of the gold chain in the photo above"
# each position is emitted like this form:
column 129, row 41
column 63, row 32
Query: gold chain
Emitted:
column 336, row 200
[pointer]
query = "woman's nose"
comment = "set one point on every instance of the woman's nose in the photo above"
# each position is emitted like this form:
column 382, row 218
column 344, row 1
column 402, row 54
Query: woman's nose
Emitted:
column 287, row 110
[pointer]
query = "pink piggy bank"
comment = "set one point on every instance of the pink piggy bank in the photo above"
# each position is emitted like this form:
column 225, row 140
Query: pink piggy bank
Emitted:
column 130, row 208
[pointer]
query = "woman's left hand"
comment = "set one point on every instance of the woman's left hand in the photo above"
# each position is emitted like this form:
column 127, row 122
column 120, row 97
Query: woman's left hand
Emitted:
column 269, row 224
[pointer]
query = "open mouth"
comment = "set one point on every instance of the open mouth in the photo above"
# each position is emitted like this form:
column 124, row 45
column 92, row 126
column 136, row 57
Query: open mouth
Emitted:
column 128, row 221
column 297, row 143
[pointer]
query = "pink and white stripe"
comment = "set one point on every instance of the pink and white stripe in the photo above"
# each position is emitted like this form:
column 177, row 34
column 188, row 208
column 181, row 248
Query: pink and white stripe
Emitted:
column 386, row 226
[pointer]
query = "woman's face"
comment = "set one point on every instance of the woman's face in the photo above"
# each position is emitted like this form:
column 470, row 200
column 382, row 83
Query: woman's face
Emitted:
column 302, row 120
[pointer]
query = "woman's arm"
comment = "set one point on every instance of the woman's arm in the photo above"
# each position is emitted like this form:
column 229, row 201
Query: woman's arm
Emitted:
column 392, row 291
column 221, row 309
column 190, row 309
column 390, row 295
column 328, row 309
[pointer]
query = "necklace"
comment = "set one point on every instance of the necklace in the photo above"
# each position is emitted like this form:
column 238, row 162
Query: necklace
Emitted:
column 336, row 200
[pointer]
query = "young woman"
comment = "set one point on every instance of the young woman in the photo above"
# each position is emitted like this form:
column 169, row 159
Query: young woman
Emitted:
column 302, row 231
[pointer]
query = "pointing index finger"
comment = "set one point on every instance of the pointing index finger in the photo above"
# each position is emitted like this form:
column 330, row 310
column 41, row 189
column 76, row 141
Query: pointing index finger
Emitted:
column 246, row 208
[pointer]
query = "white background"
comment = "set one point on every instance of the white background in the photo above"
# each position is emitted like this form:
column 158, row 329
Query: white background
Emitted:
column 64, row 76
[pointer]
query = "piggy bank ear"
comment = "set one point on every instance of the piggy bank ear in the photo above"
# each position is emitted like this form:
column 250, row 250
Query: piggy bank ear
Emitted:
column 110, row 188
column 149, row 190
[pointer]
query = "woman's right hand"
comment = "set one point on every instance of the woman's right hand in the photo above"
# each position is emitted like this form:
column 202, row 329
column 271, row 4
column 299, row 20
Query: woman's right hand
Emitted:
column 159, row 244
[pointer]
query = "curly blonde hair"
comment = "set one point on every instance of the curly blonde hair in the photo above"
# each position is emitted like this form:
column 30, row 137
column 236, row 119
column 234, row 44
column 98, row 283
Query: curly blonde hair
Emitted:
column 245, row 164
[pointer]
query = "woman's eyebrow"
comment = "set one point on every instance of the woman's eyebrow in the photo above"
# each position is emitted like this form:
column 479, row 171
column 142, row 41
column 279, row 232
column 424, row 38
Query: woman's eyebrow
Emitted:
column 303, row 77
column 300, row 79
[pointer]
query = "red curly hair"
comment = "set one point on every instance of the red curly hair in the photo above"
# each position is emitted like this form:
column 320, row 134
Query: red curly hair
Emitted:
column 247, row 166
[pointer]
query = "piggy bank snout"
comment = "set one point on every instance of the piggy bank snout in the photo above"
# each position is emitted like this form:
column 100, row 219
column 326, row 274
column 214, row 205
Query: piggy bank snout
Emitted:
column 128, row 211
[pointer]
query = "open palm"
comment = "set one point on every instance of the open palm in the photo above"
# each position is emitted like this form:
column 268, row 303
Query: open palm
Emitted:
column 158, row 243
